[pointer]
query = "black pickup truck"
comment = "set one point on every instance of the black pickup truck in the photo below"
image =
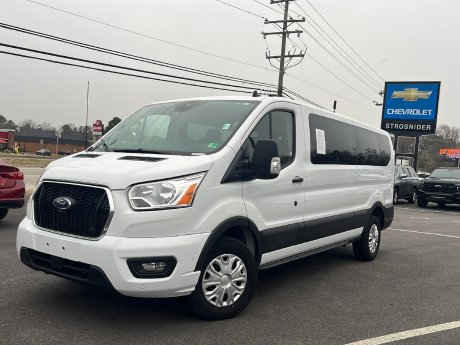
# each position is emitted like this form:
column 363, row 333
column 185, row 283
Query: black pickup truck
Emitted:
column 442, row 187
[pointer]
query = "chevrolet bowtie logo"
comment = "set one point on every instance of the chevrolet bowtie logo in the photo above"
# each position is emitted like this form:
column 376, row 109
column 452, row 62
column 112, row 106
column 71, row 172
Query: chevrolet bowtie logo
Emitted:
column 411, row 94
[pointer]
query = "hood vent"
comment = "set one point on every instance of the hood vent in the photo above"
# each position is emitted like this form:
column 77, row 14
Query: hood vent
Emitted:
column 141, row 158
column 86, row 155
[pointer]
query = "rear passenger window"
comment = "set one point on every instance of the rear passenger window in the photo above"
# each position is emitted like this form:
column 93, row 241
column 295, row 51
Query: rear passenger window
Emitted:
column 278, row 126
column 346, row 144
column 339, row 139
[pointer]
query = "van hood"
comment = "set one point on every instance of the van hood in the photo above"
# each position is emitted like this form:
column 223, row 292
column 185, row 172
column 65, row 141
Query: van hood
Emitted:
column 119, row 170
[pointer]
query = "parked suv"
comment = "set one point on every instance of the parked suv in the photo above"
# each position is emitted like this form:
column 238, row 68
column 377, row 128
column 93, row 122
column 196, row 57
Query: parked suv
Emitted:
column 193, row 197
column 406, row 181
column 442, row 187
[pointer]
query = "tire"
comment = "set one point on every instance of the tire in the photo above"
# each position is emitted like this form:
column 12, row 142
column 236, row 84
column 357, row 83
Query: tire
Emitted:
column 413, row 198
column 3, row 213
column 243, row 281
column 421, row 201
column 395, row 196
column 367, row 247
column 441, row 204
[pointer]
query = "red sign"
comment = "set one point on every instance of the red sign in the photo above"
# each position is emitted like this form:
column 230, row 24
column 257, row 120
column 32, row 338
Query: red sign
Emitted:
column 451, row 153
column 98, row 126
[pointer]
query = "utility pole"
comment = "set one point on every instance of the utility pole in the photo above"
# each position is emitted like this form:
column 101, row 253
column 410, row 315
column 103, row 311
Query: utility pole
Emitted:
column 283, row 57
column 87, row 111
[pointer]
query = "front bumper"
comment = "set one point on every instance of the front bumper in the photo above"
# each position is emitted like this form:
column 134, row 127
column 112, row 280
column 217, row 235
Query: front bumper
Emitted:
column 447, row 198
column 105, row 260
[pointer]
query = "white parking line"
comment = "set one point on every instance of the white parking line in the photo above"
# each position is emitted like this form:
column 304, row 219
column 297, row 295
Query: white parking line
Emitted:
column 408, row 334
column 425, row 210
column 424, row 233
column 419, row 218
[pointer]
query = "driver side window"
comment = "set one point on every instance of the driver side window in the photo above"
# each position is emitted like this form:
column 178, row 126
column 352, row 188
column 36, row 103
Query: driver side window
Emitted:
column 279, row 126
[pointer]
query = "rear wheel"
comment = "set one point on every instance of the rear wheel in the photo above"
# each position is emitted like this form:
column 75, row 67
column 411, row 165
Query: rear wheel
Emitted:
column 3, row 212
column 367, row 247
column 395, row 196
column 227, row 281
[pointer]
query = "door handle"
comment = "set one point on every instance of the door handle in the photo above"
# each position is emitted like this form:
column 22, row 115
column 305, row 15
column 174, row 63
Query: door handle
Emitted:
column 297, row 179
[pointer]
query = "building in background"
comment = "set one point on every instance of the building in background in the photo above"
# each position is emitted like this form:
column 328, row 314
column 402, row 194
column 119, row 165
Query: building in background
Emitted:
column 32, row 140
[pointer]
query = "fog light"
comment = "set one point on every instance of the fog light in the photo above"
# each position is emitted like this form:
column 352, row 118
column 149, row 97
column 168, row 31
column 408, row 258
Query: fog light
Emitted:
column 158, row 267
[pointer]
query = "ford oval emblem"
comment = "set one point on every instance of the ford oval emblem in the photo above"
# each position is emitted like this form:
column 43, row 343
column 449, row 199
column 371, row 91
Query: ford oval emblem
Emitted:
column 63, row 203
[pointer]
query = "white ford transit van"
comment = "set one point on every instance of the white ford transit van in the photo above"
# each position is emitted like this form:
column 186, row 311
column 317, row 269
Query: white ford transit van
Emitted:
column 193, row 197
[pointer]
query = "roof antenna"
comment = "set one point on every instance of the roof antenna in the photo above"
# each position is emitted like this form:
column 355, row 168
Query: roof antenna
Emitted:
column 255, row 94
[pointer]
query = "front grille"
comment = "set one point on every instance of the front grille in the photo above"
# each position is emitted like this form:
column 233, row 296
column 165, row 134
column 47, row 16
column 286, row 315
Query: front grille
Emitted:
column 439, row 187
column 86, row 218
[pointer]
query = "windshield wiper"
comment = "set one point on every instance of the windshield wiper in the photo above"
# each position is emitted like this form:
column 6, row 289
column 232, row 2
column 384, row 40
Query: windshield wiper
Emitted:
column 103, row 144
column 141, row 150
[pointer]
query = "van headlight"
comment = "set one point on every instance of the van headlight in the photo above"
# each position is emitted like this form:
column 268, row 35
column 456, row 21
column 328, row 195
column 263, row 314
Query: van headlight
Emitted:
column 177, row 192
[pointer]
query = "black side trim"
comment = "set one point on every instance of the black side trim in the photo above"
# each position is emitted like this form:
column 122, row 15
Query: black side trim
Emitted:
column 361, row 218
column 389, row 215
column 293, row 234
column 280, row 237
column 68, row 269
column 249, row 228
column 323, row 227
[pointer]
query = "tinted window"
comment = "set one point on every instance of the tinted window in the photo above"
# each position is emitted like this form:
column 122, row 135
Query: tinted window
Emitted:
column 346, row 144
column 278, row 126
column 339, row 142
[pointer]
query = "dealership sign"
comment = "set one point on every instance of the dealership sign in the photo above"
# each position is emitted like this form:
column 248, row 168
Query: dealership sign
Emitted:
column 450, row 153
column 410, row 107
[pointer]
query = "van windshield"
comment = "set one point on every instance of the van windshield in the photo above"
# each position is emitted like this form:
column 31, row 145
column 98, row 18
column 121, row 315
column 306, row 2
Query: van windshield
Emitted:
column 183, row 128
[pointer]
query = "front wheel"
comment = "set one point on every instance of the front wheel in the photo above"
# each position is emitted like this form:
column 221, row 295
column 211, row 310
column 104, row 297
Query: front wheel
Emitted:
column 413, row 198
column 3, row 212
column 227, row 281
column 421, row 201
column 367, row 247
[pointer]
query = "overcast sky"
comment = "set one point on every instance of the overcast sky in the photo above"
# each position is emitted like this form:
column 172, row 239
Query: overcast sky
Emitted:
column 402, row 40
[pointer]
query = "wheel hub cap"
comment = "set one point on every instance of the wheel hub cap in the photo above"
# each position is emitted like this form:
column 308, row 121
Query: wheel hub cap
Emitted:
column 373, row 238
column 224, row 280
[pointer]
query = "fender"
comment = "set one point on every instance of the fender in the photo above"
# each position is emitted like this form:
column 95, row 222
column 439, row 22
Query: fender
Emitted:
column 250, row 231
column 387, row 211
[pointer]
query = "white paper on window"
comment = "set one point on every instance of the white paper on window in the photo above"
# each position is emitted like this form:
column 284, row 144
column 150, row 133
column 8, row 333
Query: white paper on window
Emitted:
column 320, row 142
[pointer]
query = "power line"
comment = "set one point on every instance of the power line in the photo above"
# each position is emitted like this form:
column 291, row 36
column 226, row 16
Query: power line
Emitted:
column 269, row 7
column 131, row 56
column 331, row 93
column 149, row 36
column 119, row 73
column 240, row 9
column 125, row 68
column 345, row 41
column 337, row 47
column 338, row 78
column 338, row 60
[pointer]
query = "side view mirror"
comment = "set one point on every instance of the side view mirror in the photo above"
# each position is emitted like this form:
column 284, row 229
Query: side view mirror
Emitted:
column 266, row 163
column 403, row 175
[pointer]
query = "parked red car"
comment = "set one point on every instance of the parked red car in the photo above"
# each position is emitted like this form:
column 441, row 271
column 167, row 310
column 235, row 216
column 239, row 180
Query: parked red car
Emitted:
column 12, row 188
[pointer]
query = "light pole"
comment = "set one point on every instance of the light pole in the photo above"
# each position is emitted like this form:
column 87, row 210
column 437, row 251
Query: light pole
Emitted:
column 58, row 135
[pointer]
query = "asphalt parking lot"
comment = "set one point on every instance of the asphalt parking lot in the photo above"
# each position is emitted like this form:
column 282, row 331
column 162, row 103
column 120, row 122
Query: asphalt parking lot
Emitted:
column 329, row 298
